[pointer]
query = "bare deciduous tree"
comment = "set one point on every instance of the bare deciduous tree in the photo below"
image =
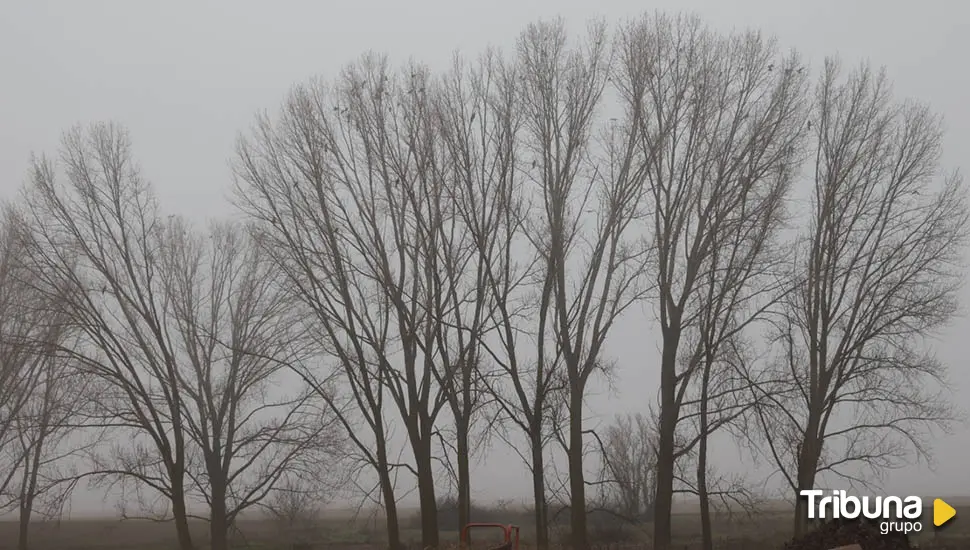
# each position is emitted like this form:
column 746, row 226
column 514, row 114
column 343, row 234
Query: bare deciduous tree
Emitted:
column 877, row 273
column 98, row 236
column 40, row 392
column 719, row 122
column 478, row 127
column 629, row 456
column 353, row 189
column 22, row 335
column 236, row 328
column 495, row 206
column 186, row 332
column 297, row 503
column 592, row 193
column 51, row 437
column 287, row 183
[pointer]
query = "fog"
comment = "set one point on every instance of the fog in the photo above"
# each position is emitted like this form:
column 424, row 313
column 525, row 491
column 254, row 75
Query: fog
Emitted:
column 187, row 78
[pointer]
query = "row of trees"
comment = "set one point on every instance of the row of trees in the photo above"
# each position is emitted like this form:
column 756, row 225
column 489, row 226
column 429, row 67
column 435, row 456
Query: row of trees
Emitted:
column 448, row 253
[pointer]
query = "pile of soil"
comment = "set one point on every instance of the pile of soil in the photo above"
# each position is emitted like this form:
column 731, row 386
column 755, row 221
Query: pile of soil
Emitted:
column 841, row 532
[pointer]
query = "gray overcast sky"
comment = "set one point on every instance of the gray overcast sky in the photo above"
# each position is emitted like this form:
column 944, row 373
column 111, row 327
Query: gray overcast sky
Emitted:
column 186, row 77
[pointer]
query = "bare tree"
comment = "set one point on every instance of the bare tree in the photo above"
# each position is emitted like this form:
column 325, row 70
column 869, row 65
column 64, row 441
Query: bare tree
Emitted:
column 23, row 333
column 236, row 328
column 298, row 500
column 294, row 505
column 303, row 227
column 629, row 456
column 52, row 439
column 41, row 392
column 46, row 440
column 742, row 278
column 719, row 121
column 478, row 126
column 99, row 236
column 186, row 333
column 881, row 263
column 718, row 400
column 592, row 195
column 353, row 189
column 527, row 366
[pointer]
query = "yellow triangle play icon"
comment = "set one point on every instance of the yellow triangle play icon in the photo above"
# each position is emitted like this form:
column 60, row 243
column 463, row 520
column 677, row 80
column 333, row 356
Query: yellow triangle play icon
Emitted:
column 942, row 512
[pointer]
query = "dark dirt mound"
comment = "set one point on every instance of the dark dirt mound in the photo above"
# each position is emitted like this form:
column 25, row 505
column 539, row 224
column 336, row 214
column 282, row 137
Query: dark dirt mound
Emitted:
column 839, row 532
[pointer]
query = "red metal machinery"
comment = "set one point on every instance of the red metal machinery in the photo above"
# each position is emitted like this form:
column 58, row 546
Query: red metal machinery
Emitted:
column 510, row 532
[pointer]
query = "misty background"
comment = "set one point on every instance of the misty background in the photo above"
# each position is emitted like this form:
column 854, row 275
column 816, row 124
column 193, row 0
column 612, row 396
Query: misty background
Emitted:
column 187, row 78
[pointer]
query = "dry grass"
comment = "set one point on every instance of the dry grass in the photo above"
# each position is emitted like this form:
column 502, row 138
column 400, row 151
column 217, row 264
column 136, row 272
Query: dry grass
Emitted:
column 766, row 531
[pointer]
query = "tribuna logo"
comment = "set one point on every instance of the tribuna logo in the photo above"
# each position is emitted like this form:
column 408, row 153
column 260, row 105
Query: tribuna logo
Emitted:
column 898, row 514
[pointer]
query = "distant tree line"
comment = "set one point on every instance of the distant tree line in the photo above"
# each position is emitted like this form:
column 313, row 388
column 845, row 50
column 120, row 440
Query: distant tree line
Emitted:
column 443, row 255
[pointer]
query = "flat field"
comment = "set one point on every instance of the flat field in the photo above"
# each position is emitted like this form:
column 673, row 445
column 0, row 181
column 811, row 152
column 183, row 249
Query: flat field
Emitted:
column 765, row 530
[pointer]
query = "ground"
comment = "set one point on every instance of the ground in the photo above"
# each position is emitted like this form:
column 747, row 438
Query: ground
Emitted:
column 764, row 531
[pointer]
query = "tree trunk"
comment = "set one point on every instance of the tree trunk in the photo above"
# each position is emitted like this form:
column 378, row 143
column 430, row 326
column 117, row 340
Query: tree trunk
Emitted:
column 539, row 490
column 218, row 521
column 426, row 492
column 464, row 476
column 577, row 482
column 707, row 538
column 27, row 491
column 177, row 467
column 180, row 512
column 663, row 504
column 390, row 505
column 807, row 465
column 26, row 509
